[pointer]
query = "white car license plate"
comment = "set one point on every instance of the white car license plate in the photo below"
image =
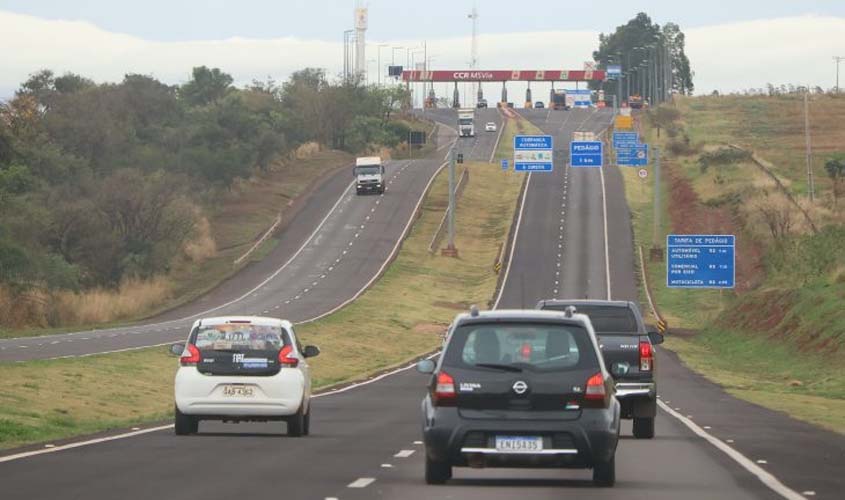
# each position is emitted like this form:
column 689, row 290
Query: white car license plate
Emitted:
column 519, row 444
column 238, row 391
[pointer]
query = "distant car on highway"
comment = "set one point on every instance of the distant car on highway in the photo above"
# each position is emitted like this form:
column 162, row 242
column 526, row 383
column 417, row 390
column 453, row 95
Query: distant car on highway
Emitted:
column 628, row 349
column 539, row 105
column 490, row 127
column 243, row 368
column 520, row 389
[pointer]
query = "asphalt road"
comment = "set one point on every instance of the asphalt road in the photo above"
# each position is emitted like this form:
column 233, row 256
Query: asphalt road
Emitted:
column 365, row 441
column 324, row 258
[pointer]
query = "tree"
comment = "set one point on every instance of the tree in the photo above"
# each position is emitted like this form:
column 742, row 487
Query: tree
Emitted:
column 206, row 86
column 835, row 168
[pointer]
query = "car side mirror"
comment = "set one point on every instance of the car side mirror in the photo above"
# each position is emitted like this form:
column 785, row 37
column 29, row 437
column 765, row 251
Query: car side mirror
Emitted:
column 656, row 338
column 310, row 351
column 177, row 349
column 425, row 366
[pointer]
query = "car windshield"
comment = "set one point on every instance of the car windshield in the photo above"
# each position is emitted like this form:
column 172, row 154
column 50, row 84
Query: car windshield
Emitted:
column 525, row 346
column 239, row 336
column 368, row 170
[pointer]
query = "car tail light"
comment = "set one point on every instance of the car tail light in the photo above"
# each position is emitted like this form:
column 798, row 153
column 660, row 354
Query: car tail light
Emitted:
column 595, row 394
column 191, row 357
column 444, row 390
column 286, row 357
column 646, row 356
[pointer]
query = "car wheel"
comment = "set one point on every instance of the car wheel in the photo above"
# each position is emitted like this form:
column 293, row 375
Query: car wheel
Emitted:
column 296, row 424
column 604, row 473
column 644, row 428
column 184, row 424
column 437, row 472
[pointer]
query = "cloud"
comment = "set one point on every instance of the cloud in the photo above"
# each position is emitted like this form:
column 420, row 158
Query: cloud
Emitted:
column 725, row 57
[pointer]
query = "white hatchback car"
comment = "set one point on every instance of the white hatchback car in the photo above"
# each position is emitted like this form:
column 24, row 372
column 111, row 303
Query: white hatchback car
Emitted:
column 490, row 127
column 243, row 368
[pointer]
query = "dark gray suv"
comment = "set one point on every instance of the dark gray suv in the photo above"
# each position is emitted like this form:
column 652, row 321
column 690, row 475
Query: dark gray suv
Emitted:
column 520, row 389
column 628, row 349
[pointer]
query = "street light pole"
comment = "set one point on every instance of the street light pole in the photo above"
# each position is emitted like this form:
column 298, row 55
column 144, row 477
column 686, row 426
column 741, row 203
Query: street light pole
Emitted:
column 838, row 59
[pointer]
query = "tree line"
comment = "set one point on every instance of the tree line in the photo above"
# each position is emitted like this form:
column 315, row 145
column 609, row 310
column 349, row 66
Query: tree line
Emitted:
column 633, row 44
column 102, row 182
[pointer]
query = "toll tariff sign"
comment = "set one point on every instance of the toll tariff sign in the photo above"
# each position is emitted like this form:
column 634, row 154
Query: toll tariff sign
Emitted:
column 700, row 261
column 533, row 153
column 586, row 153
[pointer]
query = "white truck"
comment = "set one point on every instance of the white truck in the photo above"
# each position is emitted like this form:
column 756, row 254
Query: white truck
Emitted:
column 466, row 123
column 369, row 175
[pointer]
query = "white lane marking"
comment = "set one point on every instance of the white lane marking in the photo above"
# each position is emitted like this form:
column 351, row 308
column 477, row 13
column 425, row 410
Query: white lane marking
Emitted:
column 386, row 466
column 606, row 243
column 766, row 478
column 361, row 482
column 809, row 493
column 762, row 462
column 127, row 349
column 18, row 456
column 404, row 453
column 417, row 442
column 513, row 243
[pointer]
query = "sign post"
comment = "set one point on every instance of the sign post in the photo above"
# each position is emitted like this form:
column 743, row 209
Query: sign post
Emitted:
column 701, row 261
column 450, row 250
column 533, row 153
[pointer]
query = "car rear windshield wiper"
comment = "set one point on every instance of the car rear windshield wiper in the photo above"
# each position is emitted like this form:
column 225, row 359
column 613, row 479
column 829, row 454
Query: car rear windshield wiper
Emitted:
column 497, row 366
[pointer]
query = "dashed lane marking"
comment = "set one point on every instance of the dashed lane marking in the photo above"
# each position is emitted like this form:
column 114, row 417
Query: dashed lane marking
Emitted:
column 404, row 453
column 361, row 482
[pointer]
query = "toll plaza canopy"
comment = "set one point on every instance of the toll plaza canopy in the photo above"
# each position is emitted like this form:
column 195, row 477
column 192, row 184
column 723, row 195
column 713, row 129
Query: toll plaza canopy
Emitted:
column 532, row 75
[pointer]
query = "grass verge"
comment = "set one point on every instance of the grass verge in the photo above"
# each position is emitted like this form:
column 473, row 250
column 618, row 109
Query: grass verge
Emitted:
column 400, row 317
column 783, row 355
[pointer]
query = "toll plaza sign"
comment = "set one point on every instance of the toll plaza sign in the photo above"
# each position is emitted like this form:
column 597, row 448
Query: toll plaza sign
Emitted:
column 701, row 261
column 531, row 75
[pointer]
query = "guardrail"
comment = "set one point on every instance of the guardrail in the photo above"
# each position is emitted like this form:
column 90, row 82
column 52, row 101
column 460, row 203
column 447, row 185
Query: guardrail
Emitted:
column 662, row 324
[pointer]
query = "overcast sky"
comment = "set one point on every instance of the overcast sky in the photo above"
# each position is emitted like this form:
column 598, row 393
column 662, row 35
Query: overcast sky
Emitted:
column 731, row 45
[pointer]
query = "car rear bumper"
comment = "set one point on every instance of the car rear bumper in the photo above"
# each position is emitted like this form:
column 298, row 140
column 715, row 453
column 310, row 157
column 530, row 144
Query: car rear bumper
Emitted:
column 577, row 443
column 279, row 395
column 636, row 389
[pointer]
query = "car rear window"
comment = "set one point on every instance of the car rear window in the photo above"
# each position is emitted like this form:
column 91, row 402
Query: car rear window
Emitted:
column 606, row 319
column 528, row 346
column 240, row 336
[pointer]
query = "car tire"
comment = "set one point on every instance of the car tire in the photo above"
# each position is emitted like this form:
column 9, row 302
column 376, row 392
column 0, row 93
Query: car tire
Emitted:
column 604, row 473
column 184, row 424
column 306, row 427
column 644, row 427
column 296, row 424
column 437, row 472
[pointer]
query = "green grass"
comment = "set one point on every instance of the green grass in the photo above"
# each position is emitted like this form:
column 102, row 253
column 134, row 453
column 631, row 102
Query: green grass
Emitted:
column 806, row 386
column 402, row 316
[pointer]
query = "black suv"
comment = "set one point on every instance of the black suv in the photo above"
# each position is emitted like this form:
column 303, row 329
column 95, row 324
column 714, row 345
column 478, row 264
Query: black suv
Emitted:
column 520, row 389
column 628, row 349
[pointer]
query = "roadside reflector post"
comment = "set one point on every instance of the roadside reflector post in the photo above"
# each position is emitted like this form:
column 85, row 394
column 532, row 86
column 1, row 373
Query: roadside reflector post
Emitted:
column 450, row 250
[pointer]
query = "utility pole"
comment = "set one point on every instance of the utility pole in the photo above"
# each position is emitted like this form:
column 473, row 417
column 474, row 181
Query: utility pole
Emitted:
column 450, row 250
column 809, row 153
column 656, row 253
column 838, row 59
column 473, row 60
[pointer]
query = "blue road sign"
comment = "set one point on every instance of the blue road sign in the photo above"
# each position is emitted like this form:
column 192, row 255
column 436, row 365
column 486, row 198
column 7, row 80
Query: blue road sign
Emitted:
column 533, row 153
column 582, row 98
column 586, row 153
column 636, row 156
column 625, row 139
column 613, row 71
column 504, row 164
column 700, row 261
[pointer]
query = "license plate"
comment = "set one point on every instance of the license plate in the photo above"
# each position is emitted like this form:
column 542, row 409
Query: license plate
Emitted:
column 519, row 444
column 238, row 391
